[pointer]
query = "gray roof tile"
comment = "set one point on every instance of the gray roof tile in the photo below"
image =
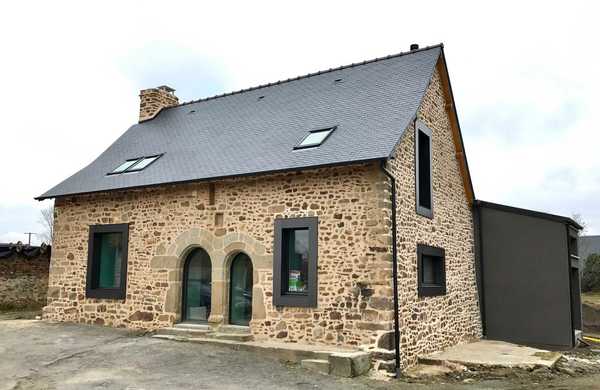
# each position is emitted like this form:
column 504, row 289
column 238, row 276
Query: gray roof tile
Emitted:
column 240, row 134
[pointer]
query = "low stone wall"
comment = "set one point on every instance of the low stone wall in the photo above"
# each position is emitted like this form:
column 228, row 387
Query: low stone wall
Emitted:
column 23, row 282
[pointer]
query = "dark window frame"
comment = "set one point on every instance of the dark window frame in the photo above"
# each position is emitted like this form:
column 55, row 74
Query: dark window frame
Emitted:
column 92, row 266
column 422, row 210
column 280, row 298
column 331, row 129
column 430, row 290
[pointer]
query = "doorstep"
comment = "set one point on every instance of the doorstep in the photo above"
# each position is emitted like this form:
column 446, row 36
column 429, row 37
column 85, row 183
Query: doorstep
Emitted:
column 339, row 361
column 493, row 354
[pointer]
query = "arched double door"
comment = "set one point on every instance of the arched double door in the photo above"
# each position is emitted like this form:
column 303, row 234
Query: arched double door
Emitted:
column 197, row 288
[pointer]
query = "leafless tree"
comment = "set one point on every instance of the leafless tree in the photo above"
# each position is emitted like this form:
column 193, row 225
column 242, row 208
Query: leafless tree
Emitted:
column 47, row 222
column 583, row 244
column 579, row 219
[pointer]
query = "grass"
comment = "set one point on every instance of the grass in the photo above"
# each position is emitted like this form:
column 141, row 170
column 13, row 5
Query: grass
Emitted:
column 9, row 311
column 591, row 298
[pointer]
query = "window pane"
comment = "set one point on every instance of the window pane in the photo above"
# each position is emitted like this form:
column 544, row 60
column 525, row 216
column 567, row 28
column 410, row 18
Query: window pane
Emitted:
column 432, row 272
column 295, row 261
column 198, row 286
column 124, row 166
column 143, row 164
column 315, row 138
column 424, row 162
column 110, row 256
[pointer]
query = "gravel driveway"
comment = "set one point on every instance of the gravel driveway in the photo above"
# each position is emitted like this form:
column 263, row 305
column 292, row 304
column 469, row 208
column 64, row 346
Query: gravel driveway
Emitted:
column 39, row 355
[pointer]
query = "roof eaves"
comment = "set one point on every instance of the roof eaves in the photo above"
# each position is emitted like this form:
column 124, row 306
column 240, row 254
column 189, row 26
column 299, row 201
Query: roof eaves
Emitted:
column 208, row 179
column 530, row 213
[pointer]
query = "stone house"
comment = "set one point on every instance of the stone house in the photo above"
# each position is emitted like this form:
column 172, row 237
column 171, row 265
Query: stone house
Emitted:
column 287, row 209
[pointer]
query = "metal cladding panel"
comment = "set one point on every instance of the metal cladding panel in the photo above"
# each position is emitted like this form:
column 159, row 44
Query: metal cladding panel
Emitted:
column 525, row 278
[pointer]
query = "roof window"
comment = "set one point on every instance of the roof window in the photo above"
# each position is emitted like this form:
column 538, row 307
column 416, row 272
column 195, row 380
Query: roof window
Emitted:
column 315, row 138
column 135, row 164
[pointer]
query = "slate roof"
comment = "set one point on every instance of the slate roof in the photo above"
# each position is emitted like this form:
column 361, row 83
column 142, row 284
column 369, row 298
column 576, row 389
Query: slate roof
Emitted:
column 588, row 245
column 241, row 133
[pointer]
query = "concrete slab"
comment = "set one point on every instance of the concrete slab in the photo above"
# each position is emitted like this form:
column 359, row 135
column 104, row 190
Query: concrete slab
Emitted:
column 318, row 365
column 426, row 370
column 488, row 353
column 290, row 352
column 349, row 364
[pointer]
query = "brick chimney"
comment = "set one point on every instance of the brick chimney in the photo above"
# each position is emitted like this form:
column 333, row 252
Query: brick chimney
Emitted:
column 153, row 100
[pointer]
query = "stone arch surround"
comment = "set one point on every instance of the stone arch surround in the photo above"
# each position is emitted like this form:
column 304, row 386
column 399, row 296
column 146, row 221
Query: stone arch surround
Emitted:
column 221, row 250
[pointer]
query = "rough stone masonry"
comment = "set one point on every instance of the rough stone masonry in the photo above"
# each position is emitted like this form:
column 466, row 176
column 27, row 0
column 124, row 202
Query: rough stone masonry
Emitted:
column 237, row 215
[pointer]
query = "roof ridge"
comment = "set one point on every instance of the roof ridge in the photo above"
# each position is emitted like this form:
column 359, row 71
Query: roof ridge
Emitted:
column 352, row 65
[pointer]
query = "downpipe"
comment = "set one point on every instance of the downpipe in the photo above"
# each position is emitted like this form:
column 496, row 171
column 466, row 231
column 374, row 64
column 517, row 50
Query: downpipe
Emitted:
column 394, row 267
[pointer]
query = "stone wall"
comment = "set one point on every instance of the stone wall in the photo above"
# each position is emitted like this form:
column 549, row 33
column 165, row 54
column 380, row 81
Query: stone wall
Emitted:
column 153, row 100
column 23, row 281
column 433, row 323
column 354, row 297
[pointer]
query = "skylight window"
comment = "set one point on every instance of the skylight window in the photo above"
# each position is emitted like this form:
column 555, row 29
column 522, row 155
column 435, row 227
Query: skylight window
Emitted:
column 134, row 165
column 315, row 138
column 143, row 163
column 123, row 167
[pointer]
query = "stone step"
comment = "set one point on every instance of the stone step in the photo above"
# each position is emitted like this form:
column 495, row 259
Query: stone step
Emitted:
column 382, row 354
column 240, row 337
column 233, row 329
column 193, row 326
column 387, row 366
column 349, row 364
column 183, row 332
column 318, row 365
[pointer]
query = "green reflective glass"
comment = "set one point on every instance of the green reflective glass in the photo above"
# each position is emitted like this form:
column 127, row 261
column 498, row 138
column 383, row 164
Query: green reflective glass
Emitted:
column 240, row 297
column 295, row 245
column 110, row 257
column 197, row 286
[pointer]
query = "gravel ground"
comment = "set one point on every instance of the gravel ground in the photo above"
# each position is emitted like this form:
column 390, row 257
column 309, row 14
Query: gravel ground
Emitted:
column 39, row 355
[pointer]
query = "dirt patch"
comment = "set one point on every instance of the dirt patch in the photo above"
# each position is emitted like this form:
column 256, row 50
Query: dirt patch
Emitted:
column 22, row 313
column 584, row 361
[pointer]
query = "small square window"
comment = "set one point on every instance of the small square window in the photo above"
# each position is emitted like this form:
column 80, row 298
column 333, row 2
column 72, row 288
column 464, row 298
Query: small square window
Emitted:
column 107, row 261
column 431, row 271
column 423, row 170
column 295, row 262
column 315, row 138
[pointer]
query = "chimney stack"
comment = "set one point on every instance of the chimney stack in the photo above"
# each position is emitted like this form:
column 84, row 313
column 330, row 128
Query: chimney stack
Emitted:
column 153, row 100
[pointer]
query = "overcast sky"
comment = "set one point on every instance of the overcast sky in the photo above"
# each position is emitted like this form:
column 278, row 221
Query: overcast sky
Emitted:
column 525, row 78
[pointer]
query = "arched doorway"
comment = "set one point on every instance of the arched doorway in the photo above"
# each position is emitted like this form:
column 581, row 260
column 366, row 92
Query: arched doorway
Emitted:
column 240, row 290
column 196, row 287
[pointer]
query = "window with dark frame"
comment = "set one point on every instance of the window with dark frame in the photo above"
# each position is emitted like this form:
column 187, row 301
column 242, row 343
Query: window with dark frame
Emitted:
column 107, row 261
column 431, row 271
column 295, row 262
column 315, row 138
column 423, row 170
column 135, row 165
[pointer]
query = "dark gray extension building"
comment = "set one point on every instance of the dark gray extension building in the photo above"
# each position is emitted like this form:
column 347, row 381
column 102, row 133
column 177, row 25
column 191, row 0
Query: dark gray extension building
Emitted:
column 528, row 276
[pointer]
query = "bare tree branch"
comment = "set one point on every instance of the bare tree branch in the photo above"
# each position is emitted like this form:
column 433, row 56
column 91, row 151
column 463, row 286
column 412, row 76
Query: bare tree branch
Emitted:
column 47, row 222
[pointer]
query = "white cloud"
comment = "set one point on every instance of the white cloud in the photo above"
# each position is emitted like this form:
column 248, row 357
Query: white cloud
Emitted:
column 523, row 73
